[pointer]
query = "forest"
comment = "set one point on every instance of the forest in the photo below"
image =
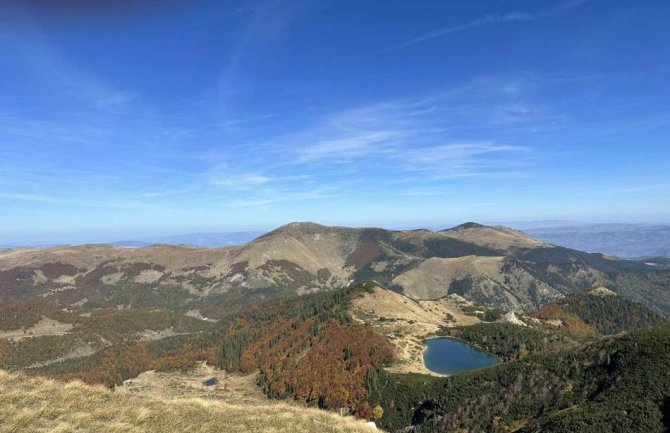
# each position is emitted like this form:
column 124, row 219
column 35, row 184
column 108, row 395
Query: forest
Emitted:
column 607, row 314
column 291, row 342
column 93, row 331
column 508, row 341
column 613, row 385
column 308, row 349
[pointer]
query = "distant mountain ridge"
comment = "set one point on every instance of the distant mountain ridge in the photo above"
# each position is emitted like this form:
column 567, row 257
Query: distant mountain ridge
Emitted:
column 495, row 266
column 622, row 240
column 208, row 240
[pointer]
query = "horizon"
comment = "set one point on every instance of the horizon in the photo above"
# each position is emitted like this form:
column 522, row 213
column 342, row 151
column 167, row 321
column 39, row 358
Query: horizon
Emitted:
column 158, row 119
column 142, row 239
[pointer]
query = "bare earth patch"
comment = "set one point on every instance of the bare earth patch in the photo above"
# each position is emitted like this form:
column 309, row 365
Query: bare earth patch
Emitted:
column 231, row 388
column 44, row 327
column 151, row 335
column 148, row 276
column 198, row 315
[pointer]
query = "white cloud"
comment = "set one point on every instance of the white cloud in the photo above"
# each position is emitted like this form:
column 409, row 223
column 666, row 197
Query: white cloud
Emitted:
column 235, row 181
column 424, row 135
column 513, row 16
column 348, row 147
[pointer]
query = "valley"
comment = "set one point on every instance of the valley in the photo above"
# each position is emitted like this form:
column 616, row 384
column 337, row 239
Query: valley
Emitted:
column 407, row 322
column 271, row 216
column 266, row 320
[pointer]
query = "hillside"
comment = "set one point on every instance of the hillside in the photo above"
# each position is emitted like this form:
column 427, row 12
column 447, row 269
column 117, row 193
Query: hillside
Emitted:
column 34, row 405
column 407, row 322
column 617, row 384
column 598, row 311
column 66, row 303
column 289, row 342
column 365, row 336
column 493, row 266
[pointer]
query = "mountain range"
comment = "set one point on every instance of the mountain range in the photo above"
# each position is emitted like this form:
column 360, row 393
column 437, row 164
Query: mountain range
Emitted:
column 494, row 266
column 277, row 312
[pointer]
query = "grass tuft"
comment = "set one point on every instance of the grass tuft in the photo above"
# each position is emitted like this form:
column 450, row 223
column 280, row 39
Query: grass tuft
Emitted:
column 39, row 405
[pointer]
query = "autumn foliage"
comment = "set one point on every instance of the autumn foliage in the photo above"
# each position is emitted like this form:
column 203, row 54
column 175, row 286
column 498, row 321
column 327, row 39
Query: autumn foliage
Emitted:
column 332, row 373
column 304, row 348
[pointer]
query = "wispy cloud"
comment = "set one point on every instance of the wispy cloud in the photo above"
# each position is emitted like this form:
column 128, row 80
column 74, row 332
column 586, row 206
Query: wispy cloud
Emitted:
column 235, row 181
column 25, row 197
column 64, row 76
column 265, row 24
column 478, row 159
column 430, row 136
column 513, row 16
column 349, row 147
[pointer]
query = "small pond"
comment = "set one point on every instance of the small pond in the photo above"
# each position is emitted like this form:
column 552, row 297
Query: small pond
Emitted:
column 450, row 356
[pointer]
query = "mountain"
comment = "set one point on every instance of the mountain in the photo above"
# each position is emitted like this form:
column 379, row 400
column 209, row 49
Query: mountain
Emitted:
column 622, row 240
column 494, row 266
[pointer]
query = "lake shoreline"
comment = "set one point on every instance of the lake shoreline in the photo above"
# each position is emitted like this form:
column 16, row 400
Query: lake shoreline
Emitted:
column 460, row 354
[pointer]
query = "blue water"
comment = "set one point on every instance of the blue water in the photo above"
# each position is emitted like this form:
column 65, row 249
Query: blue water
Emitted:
column 449, row 356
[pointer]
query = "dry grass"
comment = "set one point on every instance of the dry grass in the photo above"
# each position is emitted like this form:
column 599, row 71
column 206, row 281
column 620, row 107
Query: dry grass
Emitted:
column 37, row 405
column 407, row 323
column 433, row 277
column 501, row 238
column 231, row 388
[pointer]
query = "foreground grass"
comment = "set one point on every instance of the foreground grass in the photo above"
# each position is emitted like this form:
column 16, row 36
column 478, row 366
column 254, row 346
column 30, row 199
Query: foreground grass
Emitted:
column 32, row 404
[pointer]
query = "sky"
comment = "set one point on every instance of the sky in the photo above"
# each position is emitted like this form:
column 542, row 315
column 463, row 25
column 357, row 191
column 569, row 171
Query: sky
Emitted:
column 146, row 117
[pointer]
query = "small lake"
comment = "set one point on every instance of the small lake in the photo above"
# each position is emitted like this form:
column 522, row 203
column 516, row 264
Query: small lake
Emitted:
column 450, row 356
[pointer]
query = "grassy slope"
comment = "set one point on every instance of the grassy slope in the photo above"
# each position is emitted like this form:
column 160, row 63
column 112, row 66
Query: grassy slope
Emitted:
column 42, row 405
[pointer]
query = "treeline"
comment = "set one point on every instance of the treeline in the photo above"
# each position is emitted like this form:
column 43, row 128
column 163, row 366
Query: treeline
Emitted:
column 305, row 348
column 509, row 341
column 17, row 315
column 613, row 385
column 93, row 331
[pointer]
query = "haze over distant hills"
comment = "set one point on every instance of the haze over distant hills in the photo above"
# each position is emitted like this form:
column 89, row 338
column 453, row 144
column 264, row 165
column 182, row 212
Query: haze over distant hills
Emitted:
column 629, row 241
column 207, row 240
column 622, row 240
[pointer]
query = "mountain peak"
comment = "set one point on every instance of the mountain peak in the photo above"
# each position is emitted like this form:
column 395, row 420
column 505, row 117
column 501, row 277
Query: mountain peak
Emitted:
column 465, row 226
column 299, row 227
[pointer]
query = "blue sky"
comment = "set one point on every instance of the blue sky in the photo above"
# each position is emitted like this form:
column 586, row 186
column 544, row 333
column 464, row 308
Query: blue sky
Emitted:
column 167, row 117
